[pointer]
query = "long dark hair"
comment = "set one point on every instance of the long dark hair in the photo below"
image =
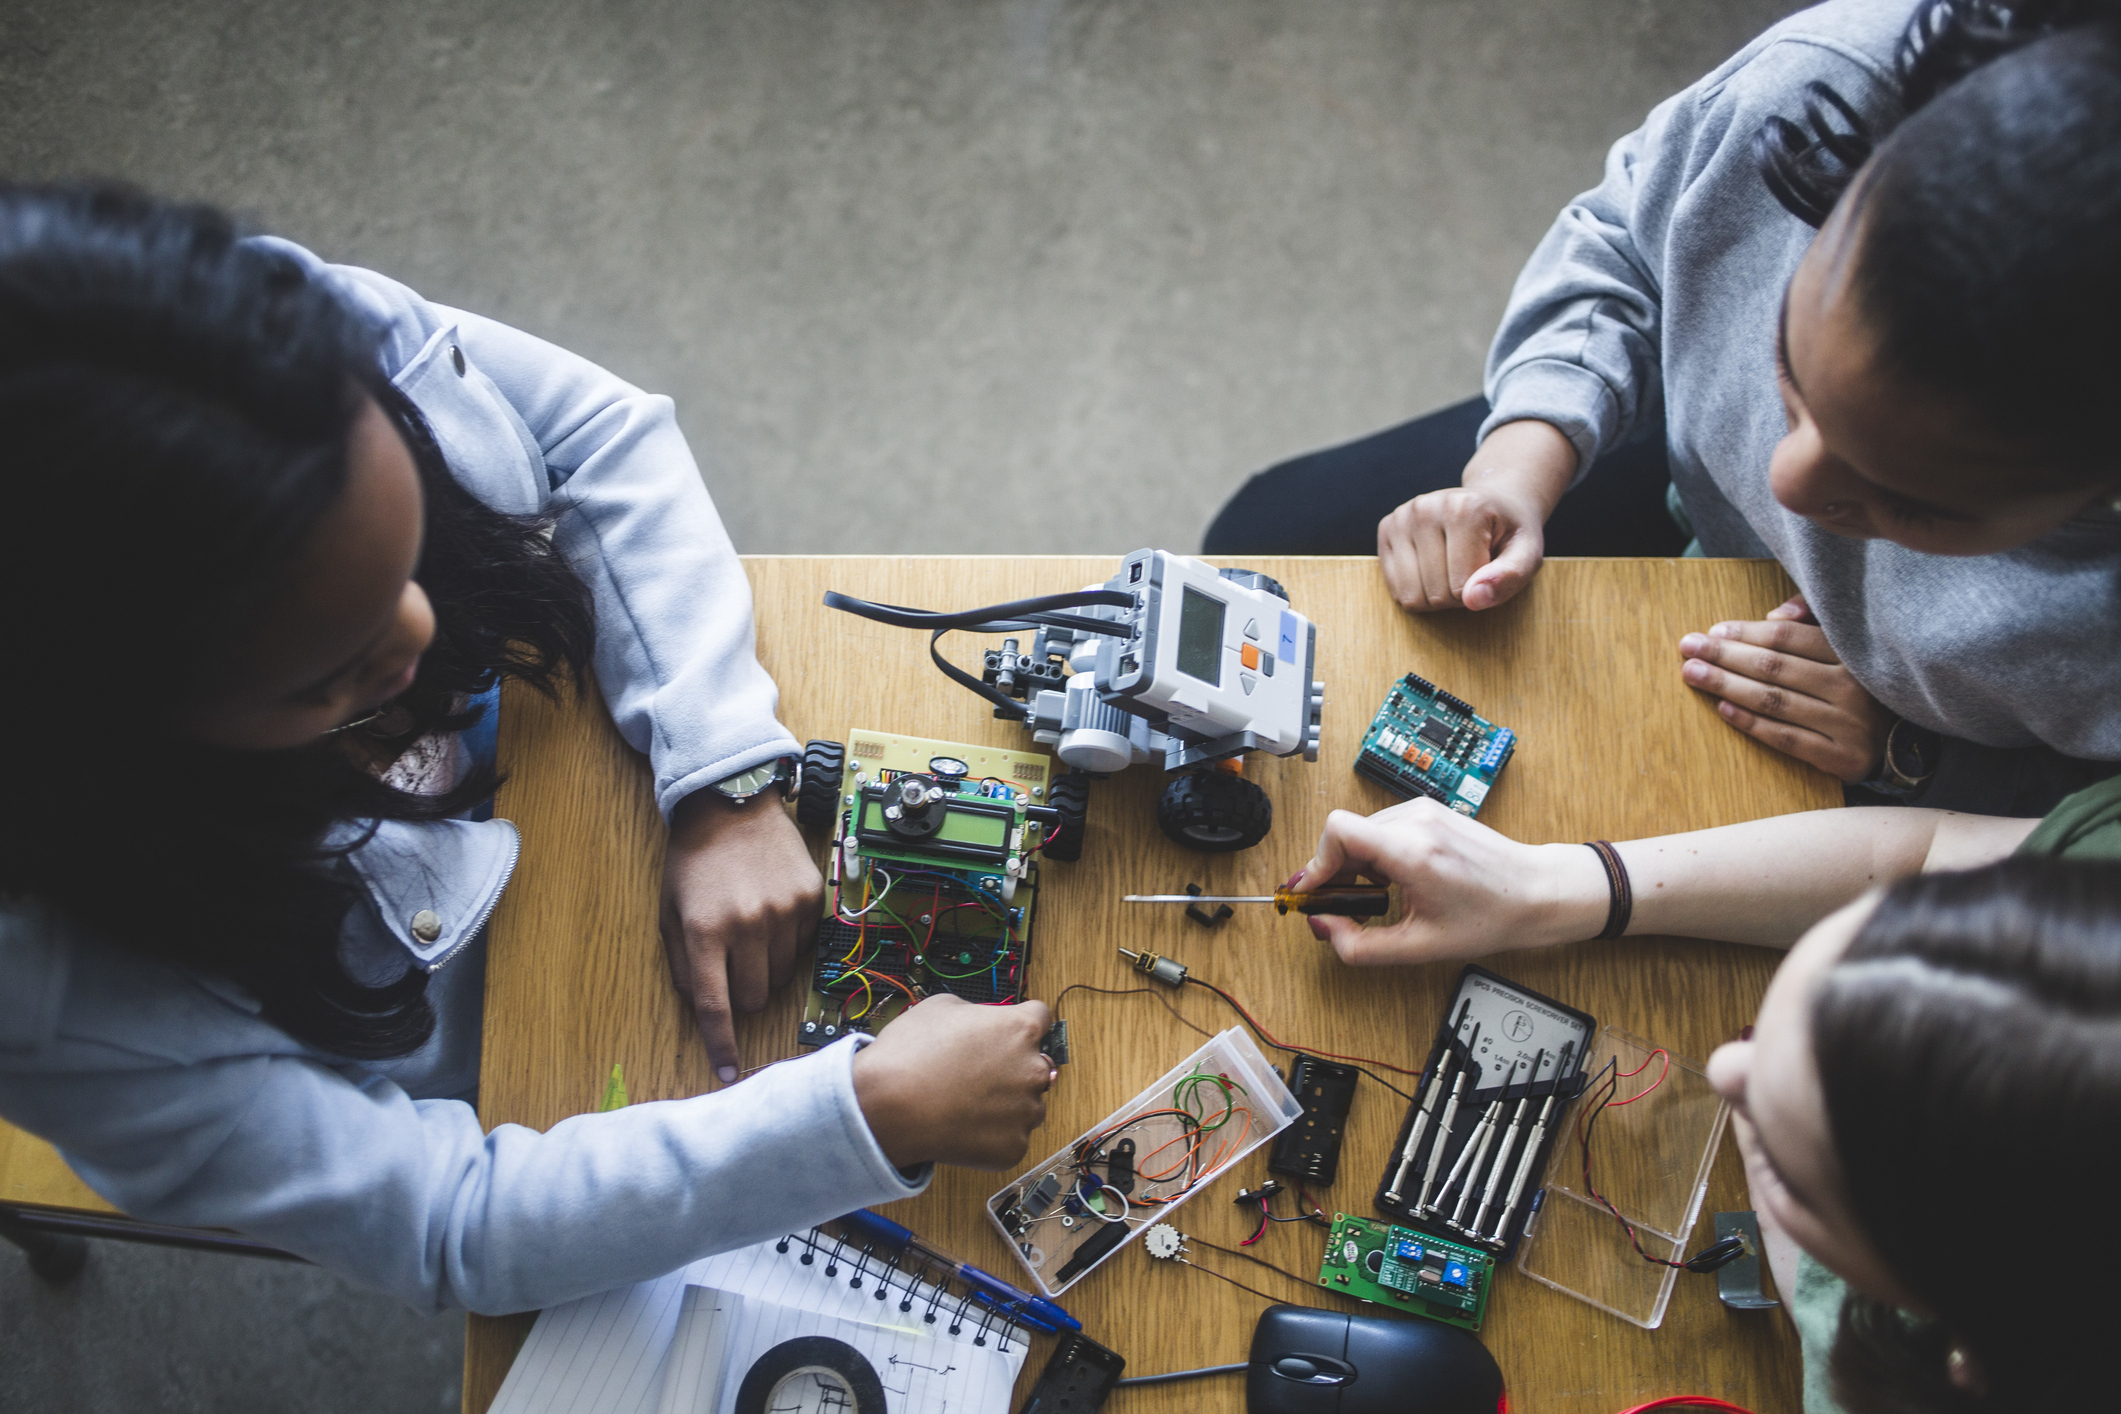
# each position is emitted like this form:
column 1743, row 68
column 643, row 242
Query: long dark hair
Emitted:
column 1990, row 264
column 1969, row 1050
column 178, row 402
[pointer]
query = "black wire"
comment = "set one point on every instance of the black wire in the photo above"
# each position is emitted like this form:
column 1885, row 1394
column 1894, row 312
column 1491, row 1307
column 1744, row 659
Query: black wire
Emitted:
column 1177, row 1375
column 1719, row 1253
column 1156, row 992
column 1235, row 1282
column 1258, row 1261
column 1292, row 1050
column 1016, row 615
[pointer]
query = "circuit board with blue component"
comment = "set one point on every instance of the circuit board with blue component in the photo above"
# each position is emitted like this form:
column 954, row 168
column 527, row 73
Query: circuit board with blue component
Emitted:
column 1424, row 741
column 1411, row 1271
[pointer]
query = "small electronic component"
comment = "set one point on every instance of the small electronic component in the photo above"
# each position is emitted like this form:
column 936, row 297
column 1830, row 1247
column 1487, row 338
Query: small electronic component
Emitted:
column 1424, row 741
column 1040, row 1196
column 1407, row 1270
column 1093, row 1250
column 1163, row 969
column 1119, row 1167
column 1055, row 1044
column 1076, row 1379
column 1309, row 1149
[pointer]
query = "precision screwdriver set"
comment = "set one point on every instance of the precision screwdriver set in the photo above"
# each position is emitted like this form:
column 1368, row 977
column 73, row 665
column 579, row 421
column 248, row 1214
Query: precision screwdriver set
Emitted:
column 1493, row 1101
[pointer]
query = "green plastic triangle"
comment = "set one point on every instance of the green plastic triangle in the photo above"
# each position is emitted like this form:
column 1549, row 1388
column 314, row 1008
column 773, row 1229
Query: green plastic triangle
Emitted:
column 614, row 1091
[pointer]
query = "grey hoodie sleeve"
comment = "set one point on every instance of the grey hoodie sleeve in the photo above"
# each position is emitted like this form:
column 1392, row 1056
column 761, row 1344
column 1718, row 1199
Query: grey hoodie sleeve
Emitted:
column 1579, row 343
column 1583, row 342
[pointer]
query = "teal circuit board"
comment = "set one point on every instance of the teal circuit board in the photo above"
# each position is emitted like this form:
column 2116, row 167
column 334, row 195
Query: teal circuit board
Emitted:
column 1426, row 742
column 1400, row 1268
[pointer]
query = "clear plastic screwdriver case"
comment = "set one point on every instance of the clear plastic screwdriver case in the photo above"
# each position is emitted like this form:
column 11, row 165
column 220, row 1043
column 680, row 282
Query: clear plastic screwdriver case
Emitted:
column 1651, row 1159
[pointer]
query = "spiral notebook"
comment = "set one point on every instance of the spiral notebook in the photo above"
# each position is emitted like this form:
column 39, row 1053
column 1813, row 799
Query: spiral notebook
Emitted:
column 684, row 1343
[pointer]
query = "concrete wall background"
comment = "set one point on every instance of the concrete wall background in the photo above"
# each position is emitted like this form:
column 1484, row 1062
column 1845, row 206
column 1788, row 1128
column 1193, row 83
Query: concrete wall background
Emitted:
column 923, row 275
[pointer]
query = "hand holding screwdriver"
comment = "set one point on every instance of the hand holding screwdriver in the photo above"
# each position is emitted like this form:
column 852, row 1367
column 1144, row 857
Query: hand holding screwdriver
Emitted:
column 1465, row 891
column 1340, row 900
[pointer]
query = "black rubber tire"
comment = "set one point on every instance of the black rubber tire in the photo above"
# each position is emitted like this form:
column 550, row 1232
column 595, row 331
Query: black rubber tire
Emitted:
column 1253, row 579
column 824, row 770
column 1071, row 797
column 1214, row 812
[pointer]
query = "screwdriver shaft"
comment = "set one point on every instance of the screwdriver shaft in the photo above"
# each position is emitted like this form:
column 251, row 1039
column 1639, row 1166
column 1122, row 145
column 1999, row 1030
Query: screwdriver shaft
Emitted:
column 1421, row 1122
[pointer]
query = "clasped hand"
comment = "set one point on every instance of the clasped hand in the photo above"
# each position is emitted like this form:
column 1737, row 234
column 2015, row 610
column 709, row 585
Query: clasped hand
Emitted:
column 1780, row 682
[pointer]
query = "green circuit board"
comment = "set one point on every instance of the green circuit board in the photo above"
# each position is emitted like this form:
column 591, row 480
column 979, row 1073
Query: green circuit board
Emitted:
column 1408, row 1270
column 1424, row 741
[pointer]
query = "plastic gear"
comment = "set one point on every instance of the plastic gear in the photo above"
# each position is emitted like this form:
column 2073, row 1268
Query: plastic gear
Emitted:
column 1163, row 1241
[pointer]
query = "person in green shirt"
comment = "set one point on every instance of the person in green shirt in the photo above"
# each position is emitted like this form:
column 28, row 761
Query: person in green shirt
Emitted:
column 1938, row 1055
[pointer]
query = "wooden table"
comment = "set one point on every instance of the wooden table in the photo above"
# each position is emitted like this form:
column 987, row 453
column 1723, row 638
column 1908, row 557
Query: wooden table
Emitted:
column 1583, row 665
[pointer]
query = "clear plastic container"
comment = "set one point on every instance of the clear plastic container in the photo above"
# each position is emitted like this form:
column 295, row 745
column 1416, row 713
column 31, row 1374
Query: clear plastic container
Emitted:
column 1229, row 1126
column 1651, row 1158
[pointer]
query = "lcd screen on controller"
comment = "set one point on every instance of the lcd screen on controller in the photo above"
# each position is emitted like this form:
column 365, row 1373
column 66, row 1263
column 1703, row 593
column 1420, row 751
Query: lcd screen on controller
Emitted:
column 1200, row 637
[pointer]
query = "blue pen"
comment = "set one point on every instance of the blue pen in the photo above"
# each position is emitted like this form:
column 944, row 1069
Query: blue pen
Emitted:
column 1033, row 1311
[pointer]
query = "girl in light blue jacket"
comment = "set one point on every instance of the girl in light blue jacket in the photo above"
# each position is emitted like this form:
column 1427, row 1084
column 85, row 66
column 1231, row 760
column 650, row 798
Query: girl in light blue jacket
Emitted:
column 275, row 531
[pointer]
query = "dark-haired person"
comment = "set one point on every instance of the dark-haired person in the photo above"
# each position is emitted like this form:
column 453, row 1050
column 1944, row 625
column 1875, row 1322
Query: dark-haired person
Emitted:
column 1905, row 406
column 275, row 530
column 1973, row 1056
column 1920, row 1058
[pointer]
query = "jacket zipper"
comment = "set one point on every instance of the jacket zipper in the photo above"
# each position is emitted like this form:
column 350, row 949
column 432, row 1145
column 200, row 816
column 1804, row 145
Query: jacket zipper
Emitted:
column 515, row 852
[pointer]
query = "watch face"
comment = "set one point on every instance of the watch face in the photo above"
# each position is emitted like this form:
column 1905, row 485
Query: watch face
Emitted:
column 1910, row 754
column 745, row 784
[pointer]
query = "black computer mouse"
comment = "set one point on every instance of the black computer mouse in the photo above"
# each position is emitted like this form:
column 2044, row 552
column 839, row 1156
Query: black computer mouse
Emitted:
column 1307, row 1361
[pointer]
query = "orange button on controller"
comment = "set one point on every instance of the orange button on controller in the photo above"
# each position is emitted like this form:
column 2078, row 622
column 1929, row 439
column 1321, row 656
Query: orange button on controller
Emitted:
column 1249, row 655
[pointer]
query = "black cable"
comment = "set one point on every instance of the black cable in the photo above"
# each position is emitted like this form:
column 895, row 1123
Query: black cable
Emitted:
column 1246, row 1017
column 1720, row 1253
column 1259, row 1261
column 1234, row 1282
column 1019, row 614
column 1177, row 1375
column 1156, row 992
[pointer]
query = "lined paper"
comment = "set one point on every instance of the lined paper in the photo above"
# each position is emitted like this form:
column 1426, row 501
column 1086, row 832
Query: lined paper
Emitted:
column 918, row 1371
column 606, row 1354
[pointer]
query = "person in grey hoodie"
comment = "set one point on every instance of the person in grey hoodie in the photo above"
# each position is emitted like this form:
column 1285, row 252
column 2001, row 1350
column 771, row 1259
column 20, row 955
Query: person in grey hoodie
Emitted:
column 1905, row 405
column 276, row 529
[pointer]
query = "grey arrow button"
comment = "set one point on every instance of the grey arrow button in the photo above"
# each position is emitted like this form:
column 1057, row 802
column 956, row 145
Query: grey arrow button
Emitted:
column 1247, row 682
column 1252, row 628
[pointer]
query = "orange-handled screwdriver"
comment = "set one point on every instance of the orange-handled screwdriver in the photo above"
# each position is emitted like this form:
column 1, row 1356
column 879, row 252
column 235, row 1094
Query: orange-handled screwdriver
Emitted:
column 1341, row 900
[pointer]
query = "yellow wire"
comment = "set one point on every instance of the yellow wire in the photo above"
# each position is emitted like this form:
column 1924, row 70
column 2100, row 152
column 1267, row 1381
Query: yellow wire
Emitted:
column 868, row 998
column 861, row 928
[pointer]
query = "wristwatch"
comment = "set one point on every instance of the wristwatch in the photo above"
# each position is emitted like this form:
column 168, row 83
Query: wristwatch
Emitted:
column 1909, row 760
column 745, row 785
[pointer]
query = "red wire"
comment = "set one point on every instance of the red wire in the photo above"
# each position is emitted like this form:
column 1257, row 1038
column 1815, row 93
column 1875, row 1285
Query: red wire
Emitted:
column 1697, row 1401
column 1623, row 1075
column 1264, row 1224
column 1275, row 1041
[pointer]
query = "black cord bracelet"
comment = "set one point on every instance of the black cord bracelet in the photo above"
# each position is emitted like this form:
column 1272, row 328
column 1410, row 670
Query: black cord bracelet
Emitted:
column 1622, row 907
